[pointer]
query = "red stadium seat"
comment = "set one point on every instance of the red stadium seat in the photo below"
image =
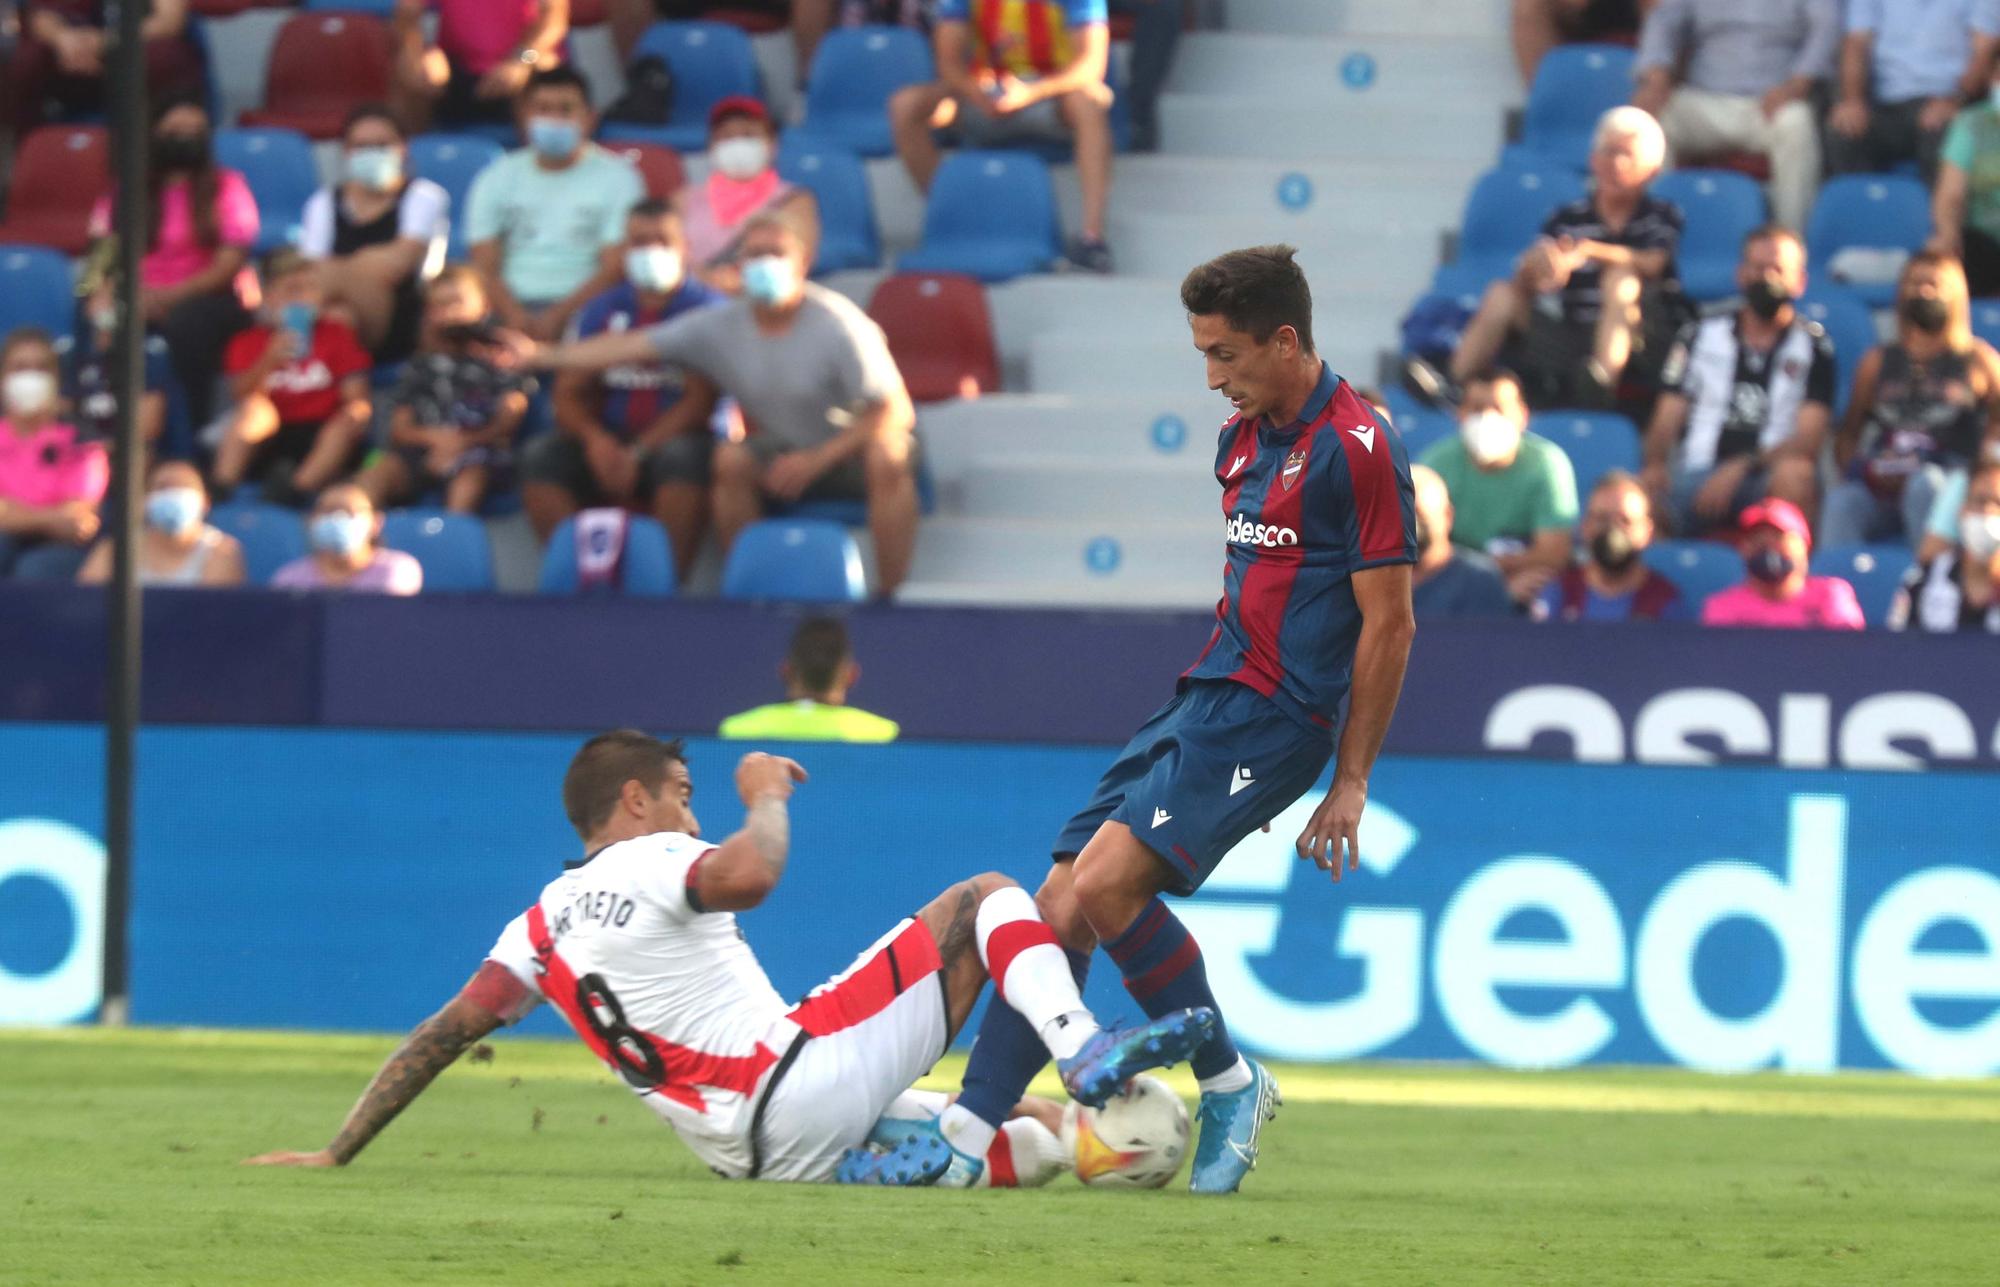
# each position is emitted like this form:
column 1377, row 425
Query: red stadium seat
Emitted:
column 939, row 333
column 322, row 66
column 658, row 165
column 59, row 173
column 588, row 13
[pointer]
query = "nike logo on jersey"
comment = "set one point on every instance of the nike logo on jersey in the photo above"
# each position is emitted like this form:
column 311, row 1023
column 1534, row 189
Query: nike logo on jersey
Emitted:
column 1366, row 436
column 1240, row 780
column 1236, row 466
column 1161, row 816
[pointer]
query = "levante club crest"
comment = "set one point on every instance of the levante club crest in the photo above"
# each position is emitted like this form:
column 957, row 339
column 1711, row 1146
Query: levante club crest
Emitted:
column 1295, row 464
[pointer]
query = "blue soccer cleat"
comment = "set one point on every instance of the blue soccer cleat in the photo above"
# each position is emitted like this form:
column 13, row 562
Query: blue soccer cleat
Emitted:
column 921, row 1157
column 1231, row 1121
column 1115, row 1056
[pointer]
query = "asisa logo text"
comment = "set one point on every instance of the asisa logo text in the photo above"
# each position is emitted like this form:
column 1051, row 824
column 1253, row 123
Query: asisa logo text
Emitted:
column 1244, row 532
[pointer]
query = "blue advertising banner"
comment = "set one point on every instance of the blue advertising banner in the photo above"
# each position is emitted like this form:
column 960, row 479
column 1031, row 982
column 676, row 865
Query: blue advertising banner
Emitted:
column 1527, row 914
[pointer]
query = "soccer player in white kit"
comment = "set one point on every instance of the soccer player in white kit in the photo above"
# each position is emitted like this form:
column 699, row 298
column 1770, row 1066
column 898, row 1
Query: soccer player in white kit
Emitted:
column 636, row 943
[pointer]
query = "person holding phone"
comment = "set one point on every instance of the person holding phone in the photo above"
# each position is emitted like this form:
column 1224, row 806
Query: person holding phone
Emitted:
column 300, row 384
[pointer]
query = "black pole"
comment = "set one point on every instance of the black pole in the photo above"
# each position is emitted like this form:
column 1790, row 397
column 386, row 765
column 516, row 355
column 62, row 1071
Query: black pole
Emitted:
column 126, row 73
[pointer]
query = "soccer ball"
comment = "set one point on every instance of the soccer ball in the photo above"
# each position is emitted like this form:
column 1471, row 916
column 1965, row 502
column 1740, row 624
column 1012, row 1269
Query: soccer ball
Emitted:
column 1136, row 1141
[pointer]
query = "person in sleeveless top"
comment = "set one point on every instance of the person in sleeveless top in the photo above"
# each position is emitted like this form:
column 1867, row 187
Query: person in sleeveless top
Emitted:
column 742, row 183
column 1924, row 405
column 1959, row 589
column 178, row 546
column 378, row 234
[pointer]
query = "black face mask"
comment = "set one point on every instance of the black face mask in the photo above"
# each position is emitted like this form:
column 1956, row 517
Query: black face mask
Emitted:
column 181, row 151
column 1612, row 550
column 1927, row 313
column 1765, row 299
column 1769, row 565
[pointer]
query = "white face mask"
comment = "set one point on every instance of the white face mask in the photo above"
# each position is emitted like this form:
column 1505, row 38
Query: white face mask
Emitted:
column 28, row 393
column 741, row 158
column 1979, row 534
column 1489, row 437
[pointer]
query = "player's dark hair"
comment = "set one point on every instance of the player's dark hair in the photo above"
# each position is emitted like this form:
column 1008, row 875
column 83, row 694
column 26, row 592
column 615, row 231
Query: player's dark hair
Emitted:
column 1255, row 291
column 603, row 765
column 819, row 650
column 560, row 76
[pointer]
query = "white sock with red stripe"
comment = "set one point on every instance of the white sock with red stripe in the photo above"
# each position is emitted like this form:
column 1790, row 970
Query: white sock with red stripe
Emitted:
column 1030, row 970
column 1024, row 1155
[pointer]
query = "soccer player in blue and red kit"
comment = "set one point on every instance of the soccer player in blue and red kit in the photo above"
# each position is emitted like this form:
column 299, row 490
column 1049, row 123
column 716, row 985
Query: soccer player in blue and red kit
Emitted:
column 1315, row 616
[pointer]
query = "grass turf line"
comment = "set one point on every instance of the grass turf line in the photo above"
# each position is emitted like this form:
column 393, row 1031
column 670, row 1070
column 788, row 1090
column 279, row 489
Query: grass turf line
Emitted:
column 118, row 1155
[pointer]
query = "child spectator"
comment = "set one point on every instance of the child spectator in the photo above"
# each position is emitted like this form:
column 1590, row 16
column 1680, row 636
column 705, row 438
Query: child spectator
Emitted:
column 88, row 399
column 742, row 183
column 50, row 483
column 1448, row 582
column 300, row 381
column 177, row 546
column 453, row 414
column 343, row 533
column 1959, row 589
column 483, row 56
column 1613, row 583
column 1779, row 592
column 60, row 61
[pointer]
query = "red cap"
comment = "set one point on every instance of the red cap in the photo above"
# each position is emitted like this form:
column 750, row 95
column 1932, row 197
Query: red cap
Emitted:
column 1781, row 514
column 738, row 105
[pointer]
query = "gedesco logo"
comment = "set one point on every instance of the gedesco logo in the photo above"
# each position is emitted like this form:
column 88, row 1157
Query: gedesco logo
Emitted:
column 1646, row 956
column 1244, row 532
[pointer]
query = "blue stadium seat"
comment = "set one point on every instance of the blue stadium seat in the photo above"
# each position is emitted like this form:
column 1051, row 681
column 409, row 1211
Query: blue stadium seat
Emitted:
column 36, row 289
column 648, row 565
column 1848, row 324
column 710, row 61
column 383, row 9
column 278, row 165
column 839, row 182
column 1596, row 442
column 804, row 560
column 1721, row 206
column 853, row 75
column 1574, row 86
column 992, row 215
column 1423, row 428
column 452, row 548
column 1867, row 210
column 1986, row 320
column 1873, row 570
column 452, row 161
column 272, row 535
column 1502, row 216
column 1699, row 568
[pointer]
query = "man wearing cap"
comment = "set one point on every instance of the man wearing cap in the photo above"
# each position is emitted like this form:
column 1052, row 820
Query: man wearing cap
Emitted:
column 742, row 183
column 1779, row 593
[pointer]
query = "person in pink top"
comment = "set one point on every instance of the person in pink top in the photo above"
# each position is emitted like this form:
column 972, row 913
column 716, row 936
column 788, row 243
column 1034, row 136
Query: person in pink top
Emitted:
column 195, row 286
column 481, row 60
column 343, row 533
column 1779, row 593
column 742, row 182
column 50, row 484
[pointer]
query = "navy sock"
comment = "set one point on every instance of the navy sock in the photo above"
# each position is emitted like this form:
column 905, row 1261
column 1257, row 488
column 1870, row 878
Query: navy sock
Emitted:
column 1006, row 1055
column 1162, row 966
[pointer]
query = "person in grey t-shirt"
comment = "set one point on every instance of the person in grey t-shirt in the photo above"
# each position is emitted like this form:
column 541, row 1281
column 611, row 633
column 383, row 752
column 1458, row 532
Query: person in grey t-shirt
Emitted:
column 825, row 414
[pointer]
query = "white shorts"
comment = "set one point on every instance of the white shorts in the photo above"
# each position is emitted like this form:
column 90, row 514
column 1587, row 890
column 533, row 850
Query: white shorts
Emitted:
column 871, row 1030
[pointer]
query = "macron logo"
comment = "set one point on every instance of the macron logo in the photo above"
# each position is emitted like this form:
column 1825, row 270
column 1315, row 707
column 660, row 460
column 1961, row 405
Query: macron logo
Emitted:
column 1241, row 779
column 1366, row 437
column 1236, row 466
column 1161, row 816
column 1242, row 531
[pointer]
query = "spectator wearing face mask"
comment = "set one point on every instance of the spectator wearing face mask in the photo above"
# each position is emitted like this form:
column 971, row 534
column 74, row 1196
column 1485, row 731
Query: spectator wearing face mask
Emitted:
column 177, row 545
column 377, row 234
column 1746, row 398
column 1924, row 405
column 742, row 183
column 484, row 55
column 1779, row 593
column 1959, row 588
column 343, row 532
column 88, row 400
column 1513, row 493
column 546, row 223
column 1613, row 583
column 637, row 434
column 50, row 483
column 1965, row 203
column 1448, row 582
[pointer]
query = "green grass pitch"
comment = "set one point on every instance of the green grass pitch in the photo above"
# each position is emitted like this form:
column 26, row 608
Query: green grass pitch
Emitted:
column 119, row 1152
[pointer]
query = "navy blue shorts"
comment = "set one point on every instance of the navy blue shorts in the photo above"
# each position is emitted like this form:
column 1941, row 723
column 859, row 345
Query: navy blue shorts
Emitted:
column 1211, row 766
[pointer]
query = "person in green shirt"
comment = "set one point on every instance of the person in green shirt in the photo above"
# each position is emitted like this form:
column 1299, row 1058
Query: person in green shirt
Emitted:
column 817, row 670
column 1965, row 206
column 1513, row 492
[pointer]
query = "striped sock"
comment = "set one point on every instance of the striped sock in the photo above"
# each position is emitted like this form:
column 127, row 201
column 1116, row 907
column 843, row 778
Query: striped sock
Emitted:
column 1029, row 971
column 1162, row 966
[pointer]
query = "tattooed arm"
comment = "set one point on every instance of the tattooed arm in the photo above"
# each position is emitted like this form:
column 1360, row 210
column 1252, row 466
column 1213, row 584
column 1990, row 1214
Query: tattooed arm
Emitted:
column 743, row 870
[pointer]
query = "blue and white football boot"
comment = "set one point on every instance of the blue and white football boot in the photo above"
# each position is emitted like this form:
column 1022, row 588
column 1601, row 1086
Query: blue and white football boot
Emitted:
column 1230, row 1122
column 1116, row 1055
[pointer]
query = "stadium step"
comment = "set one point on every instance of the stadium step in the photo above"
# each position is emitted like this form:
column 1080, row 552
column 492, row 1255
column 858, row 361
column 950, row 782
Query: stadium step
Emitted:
column 1400, row 70
column 1284, row 191
column 1090, row 432
column 1138, row 485
column 1347, row 128
column 1118, row 365
column 1188, row 596
column 1084, row 550
column 1371, row 17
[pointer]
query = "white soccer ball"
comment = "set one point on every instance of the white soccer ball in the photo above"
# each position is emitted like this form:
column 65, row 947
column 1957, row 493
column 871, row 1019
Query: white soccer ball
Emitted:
column 1136, row 1141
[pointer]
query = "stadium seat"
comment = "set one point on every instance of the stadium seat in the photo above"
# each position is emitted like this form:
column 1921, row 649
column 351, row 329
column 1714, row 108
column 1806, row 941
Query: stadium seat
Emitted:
column 803, row 560
column 383, row 9
column 1721, row 207
column 452, row 547
column 1883, row 212
column 1574, row 86
column 659, row 167
column 940, row 334
column 36, row 289
column 1596, row 442
column 853, row 75
column 272, row 536
column 1873, row 570
column 322, row 66
column 278, row 166
column 452, row 161
column 648, row 568
column 992, row 215
column 1848, row 324
column 1423, row 428
column 1505, row 212
column 1699, row 568
column 59, row 173
column 839, row 183
column 710, row 61
column 1986, row 320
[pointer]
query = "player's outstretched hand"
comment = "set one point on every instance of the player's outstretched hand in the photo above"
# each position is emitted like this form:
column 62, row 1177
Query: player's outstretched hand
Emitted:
column 759, row 774
column 1334, row 825
column 318, row 1157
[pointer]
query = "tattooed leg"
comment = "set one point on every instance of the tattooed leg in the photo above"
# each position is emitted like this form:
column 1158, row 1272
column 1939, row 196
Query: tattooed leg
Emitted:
column 953, row 921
